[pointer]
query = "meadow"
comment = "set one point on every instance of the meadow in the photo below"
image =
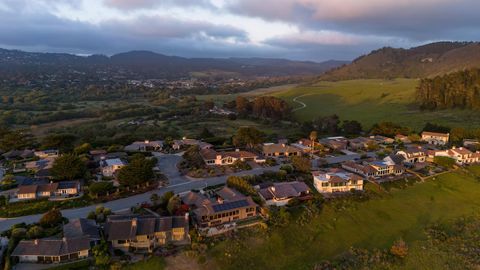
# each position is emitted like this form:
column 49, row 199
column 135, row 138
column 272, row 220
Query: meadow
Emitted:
column 376, row 223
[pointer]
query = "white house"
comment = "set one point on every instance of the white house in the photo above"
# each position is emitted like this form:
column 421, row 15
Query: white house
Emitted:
column 111, row 166
column 336, row 181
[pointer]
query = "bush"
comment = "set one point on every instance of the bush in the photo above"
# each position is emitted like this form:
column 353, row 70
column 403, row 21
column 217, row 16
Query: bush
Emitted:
column 301, row 164
column 399, row 249
column 241, row 185
column 287, row 168
column 100, row 188
column 51, row 219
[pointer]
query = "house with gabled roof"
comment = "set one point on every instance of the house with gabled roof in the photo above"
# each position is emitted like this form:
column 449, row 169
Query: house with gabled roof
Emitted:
column 228, row 206
column 336, row 180
column 413, row 155
column 435, row 138
column 144, row 146
column 212, row 157
column 280, row 150
column 50, row 190
column 145, row 233
column 378, row 168
column 52, row 250
column 279, row 194
column 82, row 227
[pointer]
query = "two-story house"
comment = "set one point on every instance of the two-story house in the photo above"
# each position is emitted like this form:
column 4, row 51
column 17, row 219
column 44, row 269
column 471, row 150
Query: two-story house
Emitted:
column 146, row 233
column 336, row 180
column 111, row 166
column 413, row 155
column 435, row 138
column 279, row 194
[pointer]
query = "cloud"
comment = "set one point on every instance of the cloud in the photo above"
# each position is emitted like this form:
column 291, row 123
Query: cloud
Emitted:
column 413, row 19
column 128, row 5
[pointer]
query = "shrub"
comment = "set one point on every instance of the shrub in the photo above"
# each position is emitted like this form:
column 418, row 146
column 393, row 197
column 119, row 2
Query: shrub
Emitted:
column 444, row 161
column 399, row 249
column 51, row 218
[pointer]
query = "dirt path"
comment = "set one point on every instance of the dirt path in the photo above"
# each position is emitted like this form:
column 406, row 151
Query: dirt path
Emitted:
column 302, row 105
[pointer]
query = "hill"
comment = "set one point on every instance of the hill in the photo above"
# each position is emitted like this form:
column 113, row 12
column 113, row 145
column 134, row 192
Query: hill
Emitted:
column 424, row 61
column 146, row 64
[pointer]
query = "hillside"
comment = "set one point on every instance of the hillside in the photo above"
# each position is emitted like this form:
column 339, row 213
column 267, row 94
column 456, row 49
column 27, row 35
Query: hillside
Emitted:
column 418, row 62
column 146, row 64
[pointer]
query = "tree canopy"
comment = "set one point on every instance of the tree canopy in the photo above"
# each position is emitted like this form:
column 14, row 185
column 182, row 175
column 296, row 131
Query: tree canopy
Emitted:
column 68, row 167
column 138, row 171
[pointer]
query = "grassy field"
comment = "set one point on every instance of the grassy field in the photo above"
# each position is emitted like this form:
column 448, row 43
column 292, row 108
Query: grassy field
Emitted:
column 371, row 101
column 376, row 223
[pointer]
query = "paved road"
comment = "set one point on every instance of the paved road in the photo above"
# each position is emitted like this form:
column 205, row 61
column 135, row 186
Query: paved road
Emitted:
column 184, row 184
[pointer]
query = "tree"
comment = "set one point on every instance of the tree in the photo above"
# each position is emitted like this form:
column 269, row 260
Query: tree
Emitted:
column 389, row 129
column 240, row 184
column 68, row 167
column 352, row 127
column 100, row 188
column 62, row 142
column 18, row 139
column 82, row 149
column 206, row 133
column 208, row 104
column 248, row 136
column 313, row 137
column 301, row 164
column 51, row 219
column 101, row 255
column 173, row 205
column 242, row 105
column 399, row 249
column 192, row 158
column 327, row 124
column 35, row 232
column 139, row 171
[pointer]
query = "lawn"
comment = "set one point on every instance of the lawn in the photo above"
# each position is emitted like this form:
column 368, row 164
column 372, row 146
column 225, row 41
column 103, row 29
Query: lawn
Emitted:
column 372, row 101
column 376, row 223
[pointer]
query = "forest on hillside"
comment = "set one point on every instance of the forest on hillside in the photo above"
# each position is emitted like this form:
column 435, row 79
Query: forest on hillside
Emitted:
column 456, row 90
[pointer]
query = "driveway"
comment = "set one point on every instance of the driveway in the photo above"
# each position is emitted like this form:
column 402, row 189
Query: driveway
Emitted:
column 184, row 184
column 167, row 163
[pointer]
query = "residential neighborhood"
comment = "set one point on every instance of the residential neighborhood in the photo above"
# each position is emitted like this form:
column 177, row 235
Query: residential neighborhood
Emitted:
column 335, row 167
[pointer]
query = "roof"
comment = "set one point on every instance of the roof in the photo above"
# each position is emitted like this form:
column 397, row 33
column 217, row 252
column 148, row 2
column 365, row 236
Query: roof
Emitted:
column 209, row 154
column 227, row 193
column 279, row 148
column 81, row 227
column 51, row 247
column 27, row 189
column 127, row 227
column 114, row 162
column 335, row 176
column 437, row 134
column 226, row 206
column 68, row 184
column 285, row 190
column 461, row 151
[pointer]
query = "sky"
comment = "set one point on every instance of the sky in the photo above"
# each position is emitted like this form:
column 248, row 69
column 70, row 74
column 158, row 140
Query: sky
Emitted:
column 315, row 30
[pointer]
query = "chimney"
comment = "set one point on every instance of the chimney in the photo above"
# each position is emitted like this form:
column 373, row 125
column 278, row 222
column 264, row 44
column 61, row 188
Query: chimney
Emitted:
column 134, row 222
column 35, row 242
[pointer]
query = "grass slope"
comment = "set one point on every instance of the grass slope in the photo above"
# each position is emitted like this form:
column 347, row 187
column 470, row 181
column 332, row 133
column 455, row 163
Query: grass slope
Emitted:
column 376, row 223
column 371, row 101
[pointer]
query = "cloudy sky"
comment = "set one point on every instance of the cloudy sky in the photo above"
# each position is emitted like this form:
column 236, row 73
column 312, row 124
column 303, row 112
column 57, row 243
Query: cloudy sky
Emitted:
column 296, row 29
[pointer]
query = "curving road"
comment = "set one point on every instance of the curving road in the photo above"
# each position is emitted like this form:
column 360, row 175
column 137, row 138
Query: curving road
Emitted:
column 178, row 184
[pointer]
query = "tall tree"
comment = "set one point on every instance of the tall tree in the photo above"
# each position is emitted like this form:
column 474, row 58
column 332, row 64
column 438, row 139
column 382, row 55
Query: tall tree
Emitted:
column 68, row 167
column 138, row 171
column 248, row 136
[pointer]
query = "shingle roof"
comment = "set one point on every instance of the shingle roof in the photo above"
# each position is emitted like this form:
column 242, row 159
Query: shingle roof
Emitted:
column 51, row 247
column 81, row 227
column 227, row 193
column 279, row 148
column 124, row 228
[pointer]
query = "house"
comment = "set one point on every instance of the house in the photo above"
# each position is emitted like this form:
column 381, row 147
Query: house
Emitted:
column 306, row 145
column 382, row 139
column 179, row 144
column 471, row 143
column 212, row 157
column 336, row 181
column 360, row 143
column 50, row 190
column 111, row 166
column 80, row 227
column 461, row 155
column 50, row 153
column 402, row 138
column 280, row 150
column 335, row 143
column 144, row 146
column 146, row 233
column 379, row 168
column 413, row 155
column 279, row 194
column 18, row 154
column 228, row 206
column 41, row 164
column 51, row 250
column 435, row 138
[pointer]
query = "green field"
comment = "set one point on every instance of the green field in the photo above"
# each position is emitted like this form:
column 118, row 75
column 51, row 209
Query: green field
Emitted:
column 376, row 223
column 371, row 101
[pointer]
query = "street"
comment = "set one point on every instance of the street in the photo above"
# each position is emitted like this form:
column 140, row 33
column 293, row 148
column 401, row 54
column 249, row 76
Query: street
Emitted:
column 178, row 184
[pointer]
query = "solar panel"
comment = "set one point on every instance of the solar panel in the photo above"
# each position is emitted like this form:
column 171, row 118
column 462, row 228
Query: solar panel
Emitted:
column 230, row 205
